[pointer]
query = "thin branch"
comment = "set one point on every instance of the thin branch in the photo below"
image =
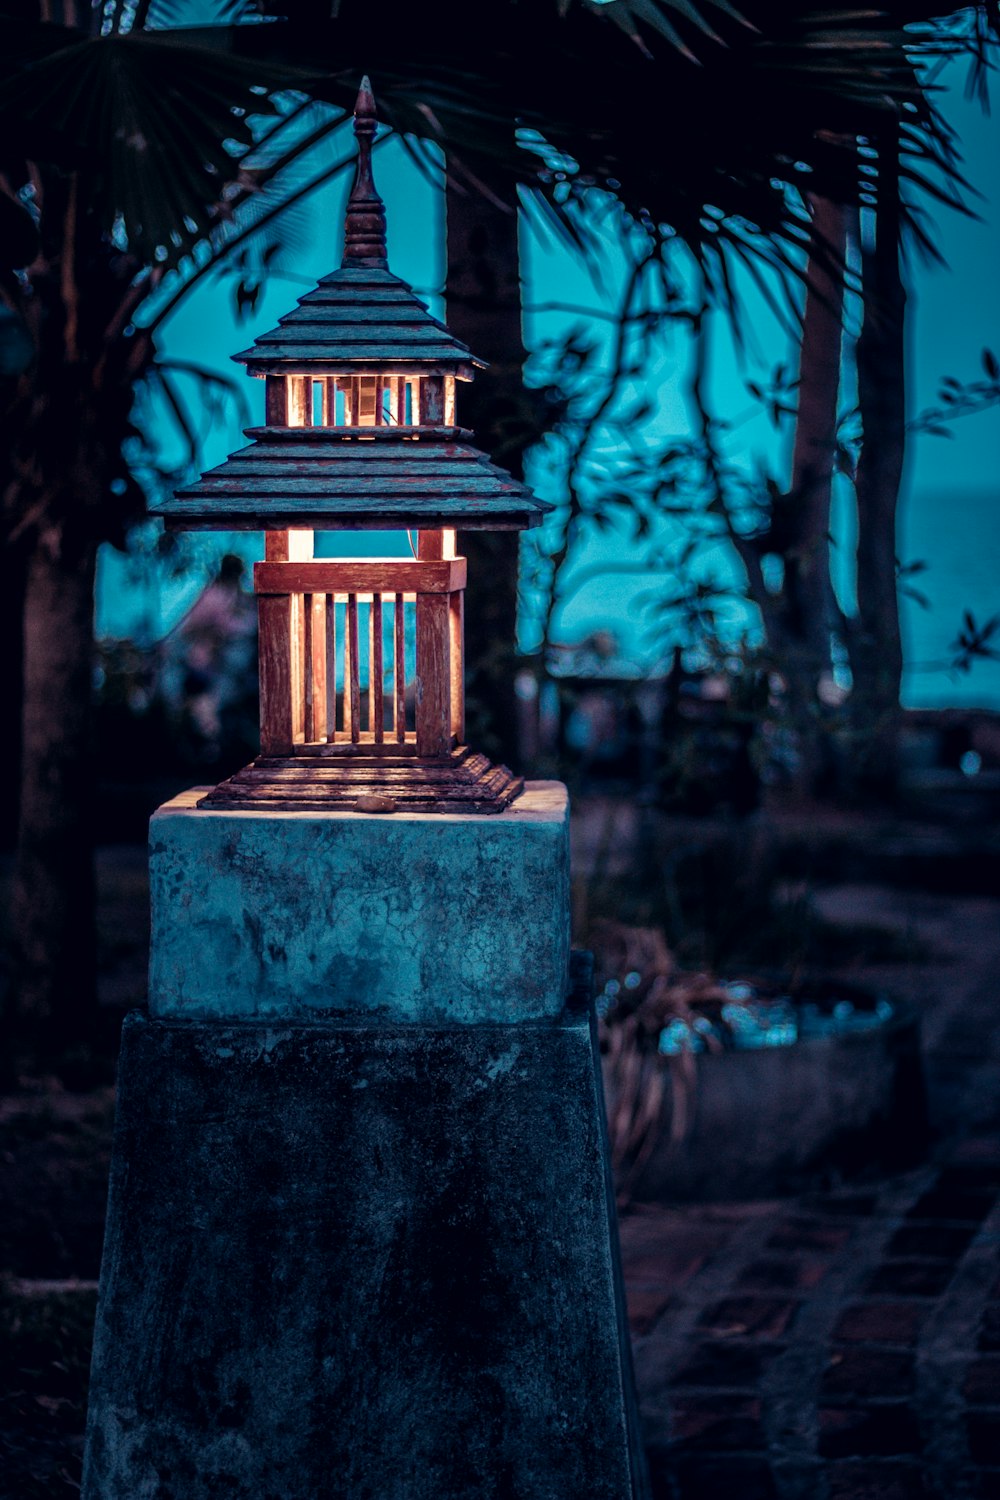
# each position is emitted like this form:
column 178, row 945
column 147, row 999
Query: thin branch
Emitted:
column 575, row 511
column 221, row 252
column 67, row 273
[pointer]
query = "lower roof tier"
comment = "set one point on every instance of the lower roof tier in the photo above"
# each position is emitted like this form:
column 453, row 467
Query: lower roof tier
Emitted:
column 326, row 483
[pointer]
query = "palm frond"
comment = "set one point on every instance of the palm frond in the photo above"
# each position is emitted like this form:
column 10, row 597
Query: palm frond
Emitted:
column 155, row 124
column 637, row 18
column 799, row 88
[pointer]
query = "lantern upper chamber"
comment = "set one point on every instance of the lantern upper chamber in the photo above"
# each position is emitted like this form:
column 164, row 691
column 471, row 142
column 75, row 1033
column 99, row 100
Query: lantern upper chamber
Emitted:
column 361, row 659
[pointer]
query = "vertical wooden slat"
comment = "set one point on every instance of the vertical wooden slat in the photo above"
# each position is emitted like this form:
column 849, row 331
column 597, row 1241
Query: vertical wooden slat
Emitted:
column 288, row 546
column 376, row 705
column 308, row 715
column 352, row 672
column 379, row 413
column 367, row 397
column 346, row 691
column 449, row 401
column 297, row 636
column 331, row 666
column 277, row 732
column 456, row 616
column 413, row 392
column 283, row 650
column 399, row 669
column 433, row 687
column 299, row 401
column 433, row 675
column 330, row 401
column 314, row 633
column 399, row 399
column 275, row 405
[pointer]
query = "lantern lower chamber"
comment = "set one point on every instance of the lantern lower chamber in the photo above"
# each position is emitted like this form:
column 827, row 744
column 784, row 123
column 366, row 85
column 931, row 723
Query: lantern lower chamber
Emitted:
column 362, row 702
column 362, row 685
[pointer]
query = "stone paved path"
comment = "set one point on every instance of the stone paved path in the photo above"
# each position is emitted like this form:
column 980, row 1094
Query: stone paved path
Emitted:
column 845, row 1345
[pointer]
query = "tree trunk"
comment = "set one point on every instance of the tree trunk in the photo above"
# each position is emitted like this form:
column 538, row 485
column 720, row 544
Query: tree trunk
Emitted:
column 808, row 589
column 876, row 652
column 55, row 974
column 483, row 292
column 13, row 566
column 806, row 609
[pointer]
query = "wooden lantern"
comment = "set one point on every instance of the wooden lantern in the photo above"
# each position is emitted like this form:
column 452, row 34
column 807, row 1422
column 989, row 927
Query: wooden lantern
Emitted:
column 360, row 434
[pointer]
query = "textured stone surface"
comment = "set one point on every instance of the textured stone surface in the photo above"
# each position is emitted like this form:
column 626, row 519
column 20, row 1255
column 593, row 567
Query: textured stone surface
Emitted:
column 374, row 1263
column 438, row 919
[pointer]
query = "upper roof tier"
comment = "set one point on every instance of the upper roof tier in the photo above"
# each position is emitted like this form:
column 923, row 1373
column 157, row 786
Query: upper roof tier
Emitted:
column 359, row 318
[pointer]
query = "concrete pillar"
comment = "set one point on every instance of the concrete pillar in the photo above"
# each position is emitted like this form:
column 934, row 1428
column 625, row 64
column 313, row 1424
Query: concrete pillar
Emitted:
column 361, row 1241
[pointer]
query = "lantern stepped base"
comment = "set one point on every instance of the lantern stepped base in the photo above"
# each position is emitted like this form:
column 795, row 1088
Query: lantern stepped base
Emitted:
column 334, row 778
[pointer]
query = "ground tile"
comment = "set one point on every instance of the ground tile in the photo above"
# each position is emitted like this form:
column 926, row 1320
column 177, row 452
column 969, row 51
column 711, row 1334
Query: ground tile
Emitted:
column 785, row 1275
column 884, row 1481
column 717, row 1423
column 960, row 1207
column 972, row 1177
column 769, row 1316
column 852, row 1205
column 911, row 1278
column 939, row 1241
column 860, row 1373
column 983, row 1432
column 738, row 1366
column 645, row 1306
column 809, row 1234
column 881, row 1322
column 722, row 1479
column 659, row 1251
column 982, row 1382
column 846, row 1431
column 981, row 1151
column 989, row 1328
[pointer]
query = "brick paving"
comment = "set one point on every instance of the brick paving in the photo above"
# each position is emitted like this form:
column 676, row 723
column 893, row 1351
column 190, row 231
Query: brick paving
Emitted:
column 845, row 1345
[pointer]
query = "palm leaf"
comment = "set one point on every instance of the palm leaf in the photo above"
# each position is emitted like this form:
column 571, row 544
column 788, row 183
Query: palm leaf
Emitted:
column 798, row 90
column 156, row 124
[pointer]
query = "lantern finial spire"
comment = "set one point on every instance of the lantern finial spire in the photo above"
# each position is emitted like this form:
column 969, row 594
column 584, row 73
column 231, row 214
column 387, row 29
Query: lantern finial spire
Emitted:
column 364, row 226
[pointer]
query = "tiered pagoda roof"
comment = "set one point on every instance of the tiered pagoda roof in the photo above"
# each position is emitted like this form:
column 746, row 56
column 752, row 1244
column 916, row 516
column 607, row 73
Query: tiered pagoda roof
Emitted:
column 356, row 316
column 358, row 321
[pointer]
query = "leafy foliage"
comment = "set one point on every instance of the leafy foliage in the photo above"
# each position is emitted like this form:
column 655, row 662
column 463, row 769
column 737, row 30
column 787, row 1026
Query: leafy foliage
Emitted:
column 975, row 641
column 154, row 123
column 715, row 148
column 961, row 399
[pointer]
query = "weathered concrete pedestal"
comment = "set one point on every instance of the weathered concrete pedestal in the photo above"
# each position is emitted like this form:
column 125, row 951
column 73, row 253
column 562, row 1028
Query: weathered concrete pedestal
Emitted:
column 360, row 1238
